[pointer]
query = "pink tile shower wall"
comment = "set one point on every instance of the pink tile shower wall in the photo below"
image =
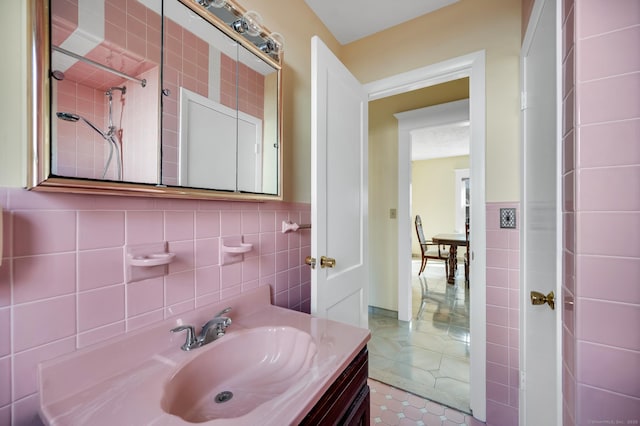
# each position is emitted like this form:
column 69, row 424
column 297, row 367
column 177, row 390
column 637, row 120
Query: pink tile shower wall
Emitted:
column 503, row 312
column 186, row 64
column 602, row 213
column 80, row 151
column 62, row 274
column 131, row 45
column 241, row 87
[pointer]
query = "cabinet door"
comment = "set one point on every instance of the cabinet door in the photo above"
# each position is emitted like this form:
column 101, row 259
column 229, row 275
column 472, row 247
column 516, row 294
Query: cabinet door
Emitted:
column 360, row 412
column 346, row 402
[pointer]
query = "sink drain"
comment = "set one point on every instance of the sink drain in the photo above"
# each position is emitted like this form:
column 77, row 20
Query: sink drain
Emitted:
column 223, row 397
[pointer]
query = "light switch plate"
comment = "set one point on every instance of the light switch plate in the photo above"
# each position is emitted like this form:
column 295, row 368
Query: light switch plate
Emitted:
column 508, row 218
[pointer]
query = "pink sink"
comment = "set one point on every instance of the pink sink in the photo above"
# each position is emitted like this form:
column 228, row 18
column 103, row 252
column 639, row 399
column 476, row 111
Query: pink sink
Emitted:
column 232, row 376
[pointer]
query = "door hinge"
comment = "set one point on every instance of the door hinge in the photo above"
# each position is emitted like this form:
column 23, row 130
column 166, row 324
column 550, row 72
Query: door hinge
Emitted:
column 522, row 379
column 523, row 101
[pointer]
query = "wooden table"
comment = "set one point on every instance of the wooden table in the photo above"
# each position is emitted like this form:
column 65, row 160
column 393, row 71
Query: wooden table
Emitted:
column 453, row 241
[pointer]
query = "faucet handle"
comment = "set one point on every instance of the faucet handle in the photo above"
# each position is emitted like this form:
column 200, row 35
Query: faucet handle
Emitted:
column 223, row 312
column 191, row 336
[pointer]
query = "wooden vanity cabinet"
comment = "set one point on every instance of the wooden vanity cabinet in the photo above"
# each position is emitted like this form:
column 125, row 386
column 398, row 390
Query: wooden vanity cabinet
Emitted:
column 346, row 402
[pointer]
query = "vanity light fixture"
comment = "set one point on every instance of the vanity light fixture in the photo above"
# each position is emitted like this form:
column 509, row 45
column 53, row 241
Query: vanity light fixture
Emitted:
column 250, row 23
column 214, row 3
column 274, row 45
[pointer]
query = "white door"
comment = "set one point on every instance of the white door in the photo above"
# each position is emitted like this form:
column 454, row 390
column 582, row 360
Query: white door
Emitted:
column 339, row 109
column 540, row 360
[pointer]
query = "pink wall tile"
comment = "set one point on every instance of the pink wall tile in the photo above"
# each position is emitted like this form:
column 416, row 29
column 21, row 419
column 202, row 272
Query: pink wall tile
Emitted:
column 497, row 258
column 610, row 144
column 608, row 278
column 207, row 224
column 597, row 16
column 609, row 99
column 145, row 296
column 596, row 405
column 619, row 377
column 207, row 252
column 38, row 232
column 497, row 296
column 5, row 332
column 598, row 59
column 268, row 221
column 178, row 225
column 32, row 324
column 5, row 381
column 230, row 223
column 144, row 227
column 605, row 189
column 498, row 335
column 497, row 277
column 500, row 414
column 615, row 330
column 100, row 229
column 185, row 256
column 180, row 287
column 606, row 233
column 100, row 307
column 231, row 275
column 207, row 280
column 98, row 268
column 39, row 277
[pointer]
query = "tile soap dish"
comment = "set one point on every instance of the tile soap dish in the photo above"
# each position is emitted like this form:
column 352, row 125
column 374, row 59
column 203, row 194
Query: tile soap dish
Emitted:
column 232, row 249
column 153, row 259
column 146, row 261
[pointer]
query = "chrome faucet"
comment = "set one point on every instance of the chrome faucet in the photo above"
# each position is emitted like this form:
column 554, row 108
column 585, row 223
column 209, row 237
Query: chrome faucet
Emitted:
column 212, row 330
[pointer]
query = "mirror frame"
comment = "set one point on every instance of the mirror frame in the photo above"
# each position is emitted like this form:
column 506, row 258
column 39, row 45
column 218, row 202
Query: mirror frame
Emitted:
column 39, row 120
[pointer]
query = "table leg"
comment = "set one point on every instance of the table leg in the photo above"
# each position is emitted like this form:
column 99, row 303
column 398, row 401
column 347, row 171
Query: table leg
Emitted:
column 453, row 263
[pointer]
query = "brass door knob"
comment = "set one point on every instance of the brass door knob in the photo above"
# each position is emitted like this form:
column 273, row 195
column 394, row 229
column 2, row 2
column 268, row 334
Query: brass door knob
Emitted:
column 538, row 298
column 311, row 261
column 327, row 262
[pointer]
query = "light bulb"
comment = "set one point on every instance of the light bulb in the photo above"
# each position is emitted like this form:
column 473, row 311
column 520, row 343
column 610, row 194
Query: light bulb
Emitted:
column 278, row 39
column 252, row 23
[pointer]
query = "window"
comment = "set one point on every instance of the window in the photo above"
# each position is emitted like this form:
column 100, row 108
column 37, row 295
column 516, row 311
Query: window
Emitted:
column 462, row 199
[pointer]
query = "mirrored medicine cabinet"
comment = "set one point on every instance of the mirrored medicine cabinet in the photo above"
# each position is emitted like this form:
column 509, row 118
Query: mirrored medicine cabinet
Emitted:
column 171, row 98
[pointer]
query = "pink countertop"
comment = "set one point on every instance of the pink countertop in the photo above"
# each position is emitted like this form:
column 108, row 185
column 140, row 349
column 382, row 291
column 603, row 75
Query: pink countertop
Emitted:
column 121, row 381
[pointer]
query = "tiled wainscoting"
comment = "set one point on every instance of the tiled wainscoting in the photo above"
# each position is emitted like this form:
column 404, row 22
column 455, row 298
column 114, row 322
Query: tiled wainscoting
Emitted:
column 62, row 278
column 503, row 313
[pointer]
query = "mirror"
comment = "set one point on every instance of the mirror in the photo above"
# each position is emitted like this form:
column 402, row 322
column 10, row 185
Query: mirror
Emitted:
column 165, row 97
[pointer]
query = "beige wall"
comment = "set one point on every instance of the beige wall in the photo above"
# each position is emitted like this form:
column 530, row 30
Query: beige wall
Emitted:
column 459, row 29
column 433, row 189
column 13, row 92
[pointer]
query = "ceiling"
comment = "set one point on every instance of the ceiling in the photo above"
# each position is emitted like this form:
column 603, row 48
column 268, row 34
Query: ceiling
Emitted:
column 354, row 19
column 450, row 140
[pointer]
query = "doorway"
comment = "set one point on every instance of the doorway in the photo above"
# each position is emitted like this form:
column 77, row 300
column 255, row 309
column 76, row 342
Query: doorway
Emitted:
column 473, row 67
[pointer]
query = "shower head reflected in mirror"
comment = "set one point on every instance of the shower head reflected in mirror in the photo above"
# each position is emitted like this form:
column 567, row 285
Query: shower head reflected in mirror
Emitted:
column 108, row 137
column 67, row 116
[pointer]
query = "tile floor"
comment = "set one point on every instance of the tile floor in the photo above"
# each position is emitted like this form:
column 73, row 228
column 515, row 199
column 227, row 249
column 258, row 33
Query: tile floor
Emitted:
column 428, row 356
column 391, row 406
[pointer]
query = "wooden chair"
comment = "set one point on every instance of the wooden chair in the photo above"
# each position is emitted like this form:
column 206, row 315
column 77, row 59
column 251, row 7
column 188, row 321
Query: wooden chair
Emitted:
column 430, row 250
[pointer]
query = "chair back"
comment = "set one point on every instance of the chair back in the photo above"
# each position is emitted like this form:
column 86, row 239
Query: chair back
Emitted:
column 419, row 231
